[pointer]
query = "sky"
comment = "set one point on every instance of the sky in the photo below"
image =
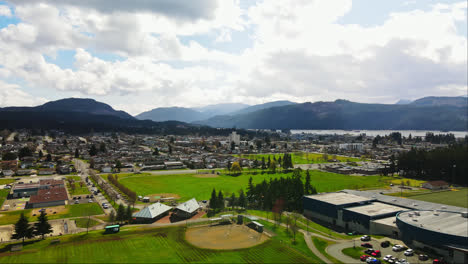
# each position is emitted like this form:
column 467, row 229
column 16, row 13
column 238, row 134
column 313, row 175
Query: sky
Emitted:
column 141, row 54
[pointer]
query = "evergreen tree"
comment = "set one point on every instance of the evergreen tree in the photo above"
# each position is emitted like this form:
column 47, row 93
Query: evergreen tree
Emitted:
column 250, row 190
column 263, row 163
column 41, row 154
column 220, row 201
column 232, row 200
column 128, row 214
column 102, row 147
column 120, row 213
column 42, row 227
column 307, row 186
column 93, row 150
column 213, row 200
column 77, row 153
column 48, row 157
column 268, row 162
column 112, row 217
column 242, row 200
column 23, row 229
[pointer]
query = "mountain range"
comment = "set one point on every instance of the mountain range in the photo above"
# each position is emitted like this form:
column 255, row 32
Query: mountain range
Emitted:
column 83, row 115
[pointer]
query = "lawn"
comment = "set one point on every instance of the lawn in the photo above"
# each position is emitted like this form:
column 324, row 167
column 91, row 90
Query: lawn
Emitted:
column 286, row 237
column 162, row 245
column 78, row 189
column 456, row 198
column 321, row 245
column 355, row 253
column 300, row 157
column 3, row 195
column 188, row 186
column 6, row 181
column 83, row 222
column 75, row 210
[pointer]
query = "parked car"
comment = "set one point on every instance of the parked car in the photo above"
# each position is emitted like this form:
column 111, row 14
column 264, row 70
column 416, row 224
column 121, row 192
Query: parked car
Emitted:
column 372, row 260
column 77, row 202
column 369, row 251
column 366, row 245
column 87, row 196
column 376, row 253
column 74, row 198
column 397, row 248
column 91, row 196
column 363, row 257
column 385, row 244
column 365, row 238
column 79, row 197
column 352, row 233
column 423, row 257
column 90, row 201
column 387, row 257
column 105, row 206
column 409, row 252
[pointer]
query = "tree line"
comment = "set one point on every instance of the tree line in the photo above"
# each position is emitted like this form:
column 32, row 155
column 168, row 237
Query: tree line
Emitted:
column 115, row 181
column 448, row 164
column 24, row 230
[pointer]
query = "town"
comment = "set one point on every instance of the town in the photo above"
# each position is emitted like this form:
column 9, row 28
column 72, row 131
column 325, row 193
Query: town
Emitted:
column 107, row 181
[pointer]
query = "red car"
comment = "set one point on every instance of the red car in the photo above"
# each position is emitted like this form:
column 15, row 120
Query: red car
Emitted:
column 364, row 257
column 376, row 253
column 366, row 245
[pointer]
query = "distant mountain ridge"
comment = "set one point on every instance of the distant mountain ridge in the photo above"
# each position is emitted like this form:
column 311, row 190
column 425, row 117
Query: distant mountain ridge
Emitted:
column 82, row 105
column 460, row 101
column 172, row 113
column 343, row 114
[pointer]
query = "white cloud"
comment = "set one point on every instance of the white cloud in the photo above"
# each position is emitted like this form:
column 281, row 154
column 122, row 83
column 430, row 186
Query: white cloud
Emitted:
column 12, row 95
column 5, row 11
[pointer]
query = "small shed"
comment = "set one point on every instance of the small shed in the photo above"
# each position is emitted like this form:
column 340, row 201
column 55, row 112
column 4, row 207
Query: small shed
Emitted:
column 112, row 229
column 257, row 226
column 146, row 199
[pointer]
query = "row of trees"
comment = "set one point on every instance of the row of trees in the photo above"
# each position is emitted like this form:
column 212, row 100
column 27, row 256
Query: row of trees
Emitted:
column 24, row 230
column 132, row 196
column 218, row 201
column 286, row 193
column 448, row 164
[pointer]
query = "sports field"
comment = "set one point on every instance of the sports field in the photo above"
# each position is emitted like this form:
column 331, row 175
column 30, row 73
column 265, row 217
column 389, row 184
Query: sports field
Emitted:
column 188, row 185
column 455, row 198
column 67, row 211
column 166, row 245
column 299, row 157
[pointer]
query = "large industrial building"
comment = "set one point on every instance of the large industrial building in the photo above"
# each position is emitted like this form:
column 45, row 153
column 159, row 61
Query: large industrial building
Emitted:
column 435, row 227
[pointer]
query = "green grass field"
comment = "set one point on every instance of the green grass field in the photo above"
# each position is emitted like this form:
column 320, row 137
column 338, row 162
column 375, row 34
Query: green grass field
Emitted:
column 455, row 198
column 83, row 222
column 300, row 157
column 321, row 245
column 353, row 252
column 3, row 195
column 6, row 181
column 166, row 245
column 78, row 189
column 189, row 186
column 75, row 210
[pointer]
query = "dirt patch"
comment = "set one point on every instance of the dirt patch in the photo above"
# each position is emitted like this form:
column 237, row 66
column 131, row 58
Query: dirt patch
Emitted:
column 162, row 195
column 206, row 176
column 224, row 237
column 50, row 210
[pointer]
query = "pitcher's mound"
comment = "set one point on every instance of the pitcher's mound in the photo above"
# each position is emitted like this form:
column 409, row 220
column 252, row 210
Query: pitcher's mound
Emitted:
column 224, row 237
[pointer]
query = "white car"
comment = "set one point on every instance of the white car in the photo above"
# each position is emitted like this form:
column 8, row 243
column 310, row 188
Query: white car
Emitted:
column 387, row 257
column 365, row 238
column 397, row 248
column 409, row 252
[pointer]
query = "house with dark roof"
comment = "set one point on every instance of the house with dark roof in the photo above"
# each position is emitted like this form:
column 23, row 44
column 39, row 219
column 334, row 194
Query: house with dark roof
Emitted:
column 435, row 185
column 48, row 197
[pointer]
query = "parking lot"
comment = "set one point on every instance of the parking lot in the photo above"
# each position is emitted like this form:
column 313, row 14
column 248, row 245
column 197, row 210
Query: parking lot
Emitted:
column 376, row 245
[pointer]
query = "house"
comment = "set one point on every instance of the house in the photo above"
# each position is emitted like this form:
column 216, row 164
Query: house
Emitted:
column 8, row 172
column 151, row 213
column 25, row 172
column 46, row 171
column 48, row 197
column 187, row 209
column 174, row 165
column 435, row 185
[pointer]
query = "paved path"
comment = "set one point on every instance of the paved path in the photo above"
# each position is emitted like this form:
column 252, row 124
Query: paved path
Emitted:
column 335, row 251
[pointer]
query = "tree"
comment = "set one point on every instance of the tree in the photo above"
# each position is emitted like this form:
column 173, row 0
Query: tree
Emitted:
column 9, row 156
column 49, row 157
column 242, row 200
column 42, row 227
column 307, row 186
column 263, row 163
column 156, row 152
column 272, row 166
column 294, row 226
column 102, row 147
column 232, row 200
column 128, row 214
column 258, row 143
column 24, row 152
column 112, row 217
column 213, row 200
column 170, row 149
column 233, row 145
column 41, row 154
column 93, row 150
column 235, row 167
column 91, row 163
column 120, row 213
column 77, row 153
column 23, row 229
column 118, row 165
column 220, row 200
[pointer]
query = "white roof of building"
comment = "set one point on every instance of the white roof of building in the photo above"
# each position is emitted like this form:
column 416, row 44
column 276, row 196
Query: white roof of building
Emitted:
column 152, row 211
column 189, row 206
